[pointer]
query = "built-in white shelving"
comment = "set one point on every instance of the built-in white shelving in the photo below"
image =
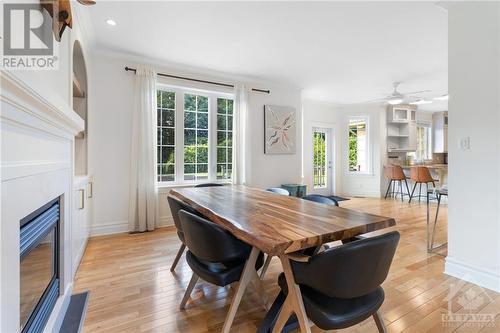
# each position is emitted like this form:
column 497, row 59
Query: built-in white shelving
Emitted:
column 401, row 128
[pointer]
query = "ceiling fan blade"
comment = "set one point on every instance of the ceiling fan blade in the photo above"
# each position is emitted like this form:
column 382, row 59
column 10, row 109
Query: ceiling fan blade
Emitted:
column 417, row 92
column 383, row 99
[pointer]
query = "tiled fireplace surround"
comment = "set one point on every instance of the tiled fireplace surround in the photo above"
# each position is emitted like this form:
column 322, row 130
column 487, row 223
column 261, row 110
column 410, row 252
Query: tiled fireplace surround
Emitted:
column 37, row 140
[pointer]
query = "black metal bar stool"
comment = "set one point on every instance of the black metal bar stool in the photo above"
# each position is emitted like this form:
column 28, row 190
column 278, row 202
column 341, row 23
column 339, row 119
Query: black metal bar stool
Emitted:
column 396, row 174
column 431, row 235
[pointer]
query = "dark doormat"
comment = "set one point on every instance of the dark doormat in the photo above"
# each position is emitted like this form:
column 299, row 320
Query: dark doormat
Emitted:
column 75, row 315
column 334, row 197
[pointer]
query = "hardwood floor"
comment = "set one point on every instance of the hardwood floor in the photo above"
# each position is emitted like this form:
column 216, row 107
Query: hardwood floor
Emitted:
column 132, row 289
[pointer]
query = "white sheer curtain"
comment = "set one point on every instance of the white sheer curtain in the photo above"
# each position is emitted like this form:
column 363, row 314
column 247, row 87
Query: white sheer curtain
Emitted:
column 143, row 209
column 240, row 135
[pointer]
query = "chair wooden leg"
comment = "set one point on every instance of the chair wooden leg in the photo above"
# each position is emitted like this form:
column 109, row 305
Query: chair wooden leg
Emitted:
column 246, row 277
column 189, row 290
column 388, row 189
column 265, row 267
column 380, row 322
column 177, row 257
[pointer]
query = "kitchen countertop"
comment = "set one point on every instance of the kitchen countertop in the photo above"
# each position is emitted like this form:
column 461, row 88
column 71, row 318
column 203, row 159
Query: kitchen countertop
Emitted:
column 430, row 166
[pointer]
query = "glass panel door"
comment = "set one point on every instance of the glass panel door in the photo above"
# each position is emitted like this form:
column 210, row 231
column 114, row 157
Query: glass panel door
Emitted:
column 322, row 161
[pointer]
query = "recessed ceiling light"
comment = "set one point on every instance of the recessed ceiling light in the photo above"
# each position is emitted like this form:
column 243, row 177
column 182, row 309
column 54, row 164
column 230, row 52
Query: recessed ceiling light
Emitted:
column 442, row 98
column 111, row 22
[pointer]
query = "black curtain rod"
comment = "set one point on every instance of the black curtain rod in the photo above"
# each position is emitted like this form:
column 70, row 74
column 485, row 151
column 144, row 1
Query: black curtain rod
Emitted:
column 197, row 80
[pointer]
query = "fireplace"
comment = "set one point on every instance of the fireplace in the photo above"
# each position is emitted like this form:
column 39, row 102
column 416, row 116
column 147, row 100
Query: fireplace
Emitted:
column 39, row 266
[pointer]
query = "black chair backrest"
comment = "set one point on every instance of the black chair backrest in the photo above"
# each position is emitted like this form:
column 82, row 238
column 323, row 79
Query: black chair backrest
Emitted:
column 278, row 190
column 209, row 242
column 175, row 207
column 208, row 185
column 351, row 270
column 321, row 199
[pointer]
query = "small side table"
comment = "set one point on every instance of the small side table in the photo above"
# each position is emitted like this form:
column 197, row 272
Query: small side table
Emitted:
column 296, row 190
column 431, row 248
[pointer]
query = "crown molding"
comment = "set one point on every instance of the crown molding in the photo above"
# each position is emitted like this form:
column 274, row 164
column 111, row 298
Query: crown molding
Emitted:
column 46, row 106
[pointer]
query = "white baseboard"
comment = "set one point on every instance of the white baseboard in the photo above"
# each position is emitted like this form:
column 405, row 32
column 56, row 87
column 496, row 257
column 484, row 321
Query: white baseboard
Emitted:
column 485, row 278
column 365, row 194
column 165, row 221
column 109, row 228
column 122, row 226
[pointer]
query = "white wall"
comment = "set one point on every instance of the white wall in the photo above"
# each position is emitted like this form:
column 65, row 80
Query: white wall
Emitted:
column 273, row 170
column 38, row 127
column 336, row 116
column 110, row 121
column 55, row 85
column 474, row 178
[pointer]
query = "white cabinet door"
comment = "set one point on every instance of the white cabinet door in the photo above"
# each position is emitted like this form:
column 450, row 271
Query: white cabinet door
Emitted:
column 401, row 115
column 76, row 226
column 79, row 227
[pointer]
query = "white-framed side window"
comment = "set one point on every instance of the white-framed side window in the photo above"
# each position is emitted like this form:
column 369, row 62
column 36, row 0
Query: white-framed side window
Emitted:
column 358, row 145
column 424, row 142
column 194, row 135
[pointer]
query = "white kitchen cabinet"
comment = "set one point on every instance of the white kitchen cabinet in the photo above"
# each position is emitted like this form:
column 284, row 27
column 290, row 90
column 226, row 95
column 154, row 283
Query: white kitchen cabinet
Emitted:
column 401, row 128
column 440, row 132
column 80, row 223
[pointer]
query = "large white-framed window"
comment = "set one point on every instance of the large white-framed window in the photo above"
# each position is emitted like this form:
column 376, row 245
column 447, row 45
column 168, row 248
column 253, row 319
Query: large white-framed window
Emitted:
column 195, row 133
column 358, row 145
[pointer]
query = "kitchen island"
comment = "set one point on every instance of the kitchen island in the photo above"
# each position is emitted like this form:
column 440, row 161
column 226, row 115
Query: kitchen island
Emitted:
column 439, row 171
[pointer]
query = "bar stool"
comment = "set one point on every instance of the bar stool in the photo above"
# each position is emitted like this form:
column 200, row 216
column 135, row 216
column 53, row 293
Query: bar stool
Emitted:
column 421, row 175
column 395, row 173
column 431, row 248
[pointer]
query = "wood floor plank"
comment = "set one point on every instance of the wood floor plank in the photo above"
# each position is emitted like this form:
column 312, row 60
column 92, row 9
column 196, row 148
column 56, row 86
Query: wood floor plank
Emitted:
column 132, row 289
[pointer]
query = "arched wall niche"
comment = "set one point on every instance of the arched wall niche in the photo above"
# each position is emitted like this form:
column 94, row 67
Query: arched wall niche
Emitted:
column 80, row 104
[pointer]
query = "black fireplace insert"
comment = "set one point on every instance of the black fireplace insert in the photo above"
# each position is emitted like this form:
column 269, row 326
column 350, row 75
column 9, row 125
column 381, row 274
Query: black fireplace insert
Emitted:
column 39, row 266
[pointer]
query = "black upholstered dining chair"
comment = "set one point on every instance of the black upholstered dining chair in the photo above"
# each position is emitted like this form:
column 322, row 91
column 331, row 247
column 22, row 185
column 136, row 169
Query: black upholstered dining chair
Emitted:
column 175, row 207
column 340, row 286
column 278, row 190
column 214, row 254
column 208, row 185
column 321, row 199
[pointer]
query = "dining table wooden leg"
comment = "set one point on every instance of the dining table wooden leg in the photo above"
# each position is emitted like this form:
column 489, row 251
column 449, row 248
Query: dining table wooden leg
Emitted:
column 293, row 302
column 246, row 276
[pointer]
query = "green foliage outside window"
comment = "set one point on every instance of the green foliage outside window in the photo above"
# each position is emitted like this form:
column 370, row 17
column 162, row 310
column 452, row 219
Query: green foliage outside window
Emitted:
column 319, row 159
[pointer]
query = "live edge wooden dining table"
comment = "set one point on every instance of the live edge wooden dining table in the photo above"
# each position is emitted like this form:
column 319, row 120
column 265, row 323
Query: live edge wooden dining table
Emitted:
column 279, row 226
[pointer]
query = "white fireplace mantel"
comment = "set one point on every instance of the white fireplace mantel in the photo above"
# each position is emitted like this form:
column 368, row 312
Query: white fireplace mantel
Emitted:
column 37, row 130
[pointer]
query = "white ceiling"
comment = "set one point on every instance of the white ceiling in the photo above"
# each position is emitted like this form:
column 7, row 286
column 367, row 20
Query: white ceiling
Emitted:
column 342, row 52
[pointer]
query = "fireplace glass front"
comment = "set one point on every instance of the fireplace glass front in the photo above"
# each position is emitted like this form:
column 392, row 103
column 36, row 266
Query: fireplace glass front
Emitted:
column 39, row 266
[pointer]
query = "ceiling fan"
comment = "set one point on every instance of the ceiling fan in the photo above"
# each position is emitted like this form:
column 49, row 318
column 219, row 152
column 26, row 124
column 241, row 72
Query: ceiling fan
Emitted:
column 397, row 97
